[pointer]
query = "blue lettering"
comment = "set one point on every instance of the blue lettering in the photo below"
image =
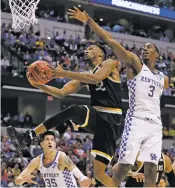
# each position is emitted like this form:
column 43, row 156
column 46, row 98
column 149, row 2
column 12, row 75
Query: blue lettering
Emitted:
column 142, row 78
column 149, row 80
column 146, row 79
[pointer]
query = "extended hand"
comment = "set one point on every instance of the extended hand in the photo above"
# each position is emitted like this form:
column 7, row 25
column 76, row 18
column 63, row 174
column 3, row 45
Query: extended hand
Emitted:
column 85, row 183
column 20, row 180
column 56, row 72
column 31, row 81
column 78, row 14
column 75, row 127
column 138, row 176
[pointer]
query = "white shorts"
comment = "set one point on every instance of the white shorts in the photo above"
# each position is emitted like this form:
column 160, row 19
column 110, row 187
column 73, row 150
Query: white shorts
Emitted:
column 141, row 135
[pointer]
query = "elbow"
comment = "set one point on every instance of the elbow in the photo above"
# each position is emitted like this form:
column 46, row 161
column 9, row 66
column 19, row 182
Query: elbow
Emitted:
column 60, row 95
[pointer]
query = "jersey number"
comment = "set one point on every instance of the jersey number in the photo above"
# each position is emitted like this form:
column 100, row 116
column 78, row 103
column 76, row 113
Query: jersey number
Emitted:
column 100, row 86
column 151, row 93
column 51, row 183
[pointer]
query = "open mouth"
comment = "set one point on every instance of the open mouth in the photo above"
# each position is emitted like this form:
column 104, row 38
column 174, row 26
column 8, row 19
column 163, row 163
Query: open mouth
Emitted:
column 145, row 53
column 86, row 56
column 50, row 146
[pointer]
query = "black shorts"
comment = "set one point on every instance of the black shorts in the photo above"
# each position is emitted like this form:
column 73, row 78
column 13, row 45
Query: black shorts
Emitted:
column 107, row 129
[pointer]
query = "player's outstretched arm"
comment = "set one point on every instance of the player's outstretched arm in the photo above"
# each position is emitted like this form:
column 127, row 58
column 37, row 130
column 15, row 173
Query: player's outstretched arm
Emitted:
column 169, row 171
column 88, row 78
column 122, row 54
column 26, row 175
column 83, row 180
column 69, row 88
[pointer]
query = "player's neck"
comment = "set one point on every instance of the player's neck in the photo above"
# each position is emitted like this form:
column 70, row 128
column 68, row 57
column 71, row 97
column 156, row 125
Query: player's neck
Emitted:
column 152, row 67
column 96, row 62
column 49, row 155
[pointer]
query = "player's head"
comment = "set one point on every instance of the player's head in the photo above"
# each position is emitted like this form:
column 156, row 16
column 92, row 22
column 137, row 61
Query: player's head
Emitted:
column 150, row 54
column 94, row 52
column 162, row 182
column 48, row 140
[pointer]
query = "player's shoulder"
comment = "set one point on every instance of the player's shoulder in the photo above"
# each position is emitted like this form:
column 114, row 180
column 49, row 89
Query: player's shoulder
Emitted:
column 62, row 155
column 36, row 161
column 109, row 63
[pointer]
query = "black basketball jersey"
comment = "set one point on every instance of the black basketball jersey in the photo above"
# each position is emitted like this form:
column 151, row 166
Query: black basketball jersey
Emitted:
column 131, row 182
column 107, row 93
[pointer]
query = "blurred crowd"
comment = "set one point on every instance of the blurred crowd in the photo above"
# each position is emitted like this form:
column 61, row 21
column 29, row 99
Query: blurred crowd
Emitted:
column 27, row 46
column 158, row 32
column 17, row 120
column 169, row 132
column 73, row 144
column 169, row 4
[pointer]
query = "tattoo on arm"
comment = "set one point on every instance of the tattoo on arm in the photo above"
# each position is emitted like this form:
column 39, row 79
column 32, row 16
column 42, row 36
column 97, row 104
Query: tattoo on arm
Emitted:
column 68, row 162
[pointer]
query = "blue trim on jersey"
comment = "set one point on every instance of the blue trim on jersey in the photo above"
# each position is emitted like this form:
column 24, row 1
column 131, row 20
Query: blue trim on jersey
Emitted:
column 128, row 119
column 49, row 165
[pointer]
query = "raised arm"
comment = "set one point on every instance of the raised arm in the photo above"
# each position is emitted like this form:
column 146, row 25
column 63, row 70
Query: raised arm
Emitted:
column 26, row 175
column 69, row 88
column 88, row 78
column 122, row 54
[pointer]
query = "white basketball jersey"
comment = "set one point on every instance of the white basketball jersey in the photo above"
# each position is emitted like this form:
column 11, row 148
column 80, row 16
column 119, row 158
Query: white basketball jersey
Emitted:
column 145, row 90
column 54, row 177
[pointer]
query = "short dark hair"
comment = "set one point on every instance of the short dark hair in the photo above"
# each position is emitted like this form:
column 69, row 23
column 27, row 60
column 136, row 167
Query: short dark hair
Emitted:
column 156, row 48
column 103, row 50
column 42, row 137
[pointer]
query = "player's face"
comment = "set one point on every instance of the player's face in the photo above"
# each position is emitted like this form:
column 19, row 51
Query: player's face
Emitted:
column 48, row 143
column 149, row 53
column 91, row 52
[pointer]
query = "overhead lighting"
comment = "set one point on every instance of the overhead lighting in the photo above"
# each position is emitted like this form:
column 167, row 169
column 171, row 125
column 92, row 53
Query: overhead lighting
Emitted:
column 79, row 5
column 101, row 19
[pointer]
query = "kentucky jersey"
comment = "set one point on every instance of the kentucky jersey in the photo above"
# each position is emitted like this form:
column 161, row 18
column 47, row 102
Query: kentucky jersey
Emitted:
column 54, row 177
column 145, row 90
column 107, row 93
column 131, row 182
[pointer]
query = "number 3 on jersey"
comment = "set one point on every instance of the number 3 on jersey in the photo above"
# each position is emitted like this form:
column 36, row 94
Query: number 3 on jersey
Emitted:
column 151, row 93
column 100, row 86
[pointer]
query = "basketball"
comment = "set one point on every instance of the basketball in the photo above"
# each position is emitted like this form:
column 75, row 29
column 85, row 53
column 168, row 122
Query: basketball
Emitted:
column 39, row 72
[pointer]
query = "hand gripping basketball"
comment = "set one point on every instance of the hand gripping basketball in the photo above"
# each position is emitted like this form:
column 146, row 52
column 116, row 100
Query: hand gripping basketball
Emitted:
column 39, row 73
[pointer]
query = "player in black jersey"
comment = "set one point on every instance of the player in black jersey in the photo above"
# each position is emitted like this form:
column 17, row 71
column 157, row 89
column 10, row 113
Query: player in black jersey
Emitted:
column 103, row 118
column 136, row 174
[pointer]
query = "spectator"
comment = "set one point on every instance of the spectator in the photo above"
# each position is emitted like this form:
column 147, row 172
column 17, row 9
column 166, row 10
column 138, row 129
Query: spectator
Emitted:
column 68, row 134
column 16, row 171
column 79, row 152
column 89, row 175
column 35, row 149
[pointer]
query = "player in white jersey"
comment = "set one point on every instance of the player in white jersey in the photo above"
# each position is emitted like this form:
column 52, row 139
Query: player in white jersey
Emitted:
column 56, row 167
column 143, row 126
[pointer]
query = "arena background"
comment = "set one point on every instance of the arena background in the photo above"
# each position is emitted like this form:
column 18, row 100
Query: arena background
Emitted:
column 57, row 38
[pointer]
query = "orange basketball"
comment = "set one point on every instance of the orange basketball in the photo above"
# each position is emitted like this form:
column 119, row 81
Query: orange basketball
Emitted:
column 38, row 71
